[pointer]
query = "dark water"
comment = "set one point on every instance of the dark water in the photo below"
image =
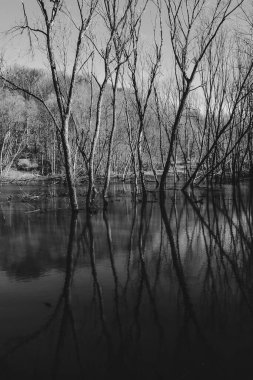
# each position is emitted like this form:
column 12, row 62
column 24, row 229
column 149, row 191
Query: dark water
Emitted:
column 137, row 293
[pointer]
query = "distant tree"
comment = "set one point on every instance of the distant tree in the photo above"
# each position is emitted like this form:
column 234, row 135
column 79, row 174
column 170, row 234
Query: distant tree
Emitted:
column 13, row 128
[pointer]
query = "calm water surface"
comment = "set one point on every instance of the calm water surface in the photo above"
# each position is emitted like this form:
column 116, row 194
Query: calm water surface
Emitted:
column 137, row 293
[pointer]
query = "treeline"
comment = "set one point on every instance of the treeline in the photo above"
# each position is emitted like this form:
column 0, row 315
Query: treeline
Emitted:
column 105, row 105
column 27, row 130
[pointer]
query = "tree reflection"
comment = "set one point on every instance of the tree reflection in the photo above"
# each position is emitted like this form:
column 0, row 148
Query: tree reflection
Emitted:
column 230, row 236
column 114, row 272
column 212, row 357
column 67, row 319
column 225, row 221
column 152, row 291
column 62, row 315
column 97, row 286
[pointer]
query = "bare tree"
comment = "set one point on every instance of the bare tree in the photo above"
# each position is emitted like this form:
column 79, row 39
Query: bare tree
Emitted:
column 142, row 77
column 120, row 25
column 103, row 52
column 47, row 34
column 131, row 136
column 225, row 126
column 113, row 51
column 189, row 22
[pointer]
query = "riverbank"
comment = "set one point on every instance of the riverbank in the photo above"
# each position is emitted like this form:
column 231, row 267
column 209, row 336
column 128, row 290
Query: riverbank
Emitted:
column 22, row 177
column 18, row 176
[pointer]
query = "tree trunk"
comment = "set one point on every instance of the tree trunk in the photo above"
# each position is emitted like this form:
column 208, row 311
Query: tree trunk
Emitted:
column 91, row 186
column 68, row 166
column 141, row 170
column 109, row 156
column 173, row 139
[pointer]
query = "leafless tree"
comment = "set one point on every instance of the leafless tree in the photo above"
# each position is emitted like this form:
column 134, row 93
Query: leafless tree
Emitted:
column 119, row 23
column 142, row 78
column 189, row 22
column 226, row 121
column 47, row 35
column 105, row 53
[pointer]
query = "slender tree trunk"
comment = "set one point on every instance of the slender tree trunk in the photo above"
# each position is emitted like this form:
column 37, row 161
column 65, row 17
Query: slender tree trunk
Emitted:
column 91, row 186
column 109, row 156
column 151, row 161
column 68, row 166
column 126, row 169
column 91, row 189
column 173, row 139
column 139, row 155
column 1, row 152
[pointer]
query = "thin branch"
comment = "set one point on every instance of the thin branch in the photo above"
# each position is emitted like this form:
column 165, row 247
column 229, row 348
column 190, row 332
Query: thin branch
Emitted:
column 40, row 100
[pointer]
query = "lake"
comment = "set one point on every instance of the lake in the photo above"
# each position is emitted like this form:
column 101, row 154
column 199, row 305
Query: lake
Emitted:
column 139, row 292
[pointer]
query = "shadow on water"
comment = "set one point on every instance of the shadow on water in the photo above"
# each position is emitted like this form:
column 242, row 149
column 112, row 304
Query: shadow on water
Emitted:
column 138, row 291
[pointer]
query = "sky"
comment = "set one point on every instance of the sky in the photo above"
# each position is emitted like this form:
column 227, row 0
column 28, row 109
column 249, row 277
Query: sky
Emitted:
column 16, row 49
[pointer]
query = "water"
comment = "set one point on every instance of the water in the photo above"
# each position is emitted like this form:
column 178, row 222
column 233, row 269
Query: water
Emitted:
column 137, row 293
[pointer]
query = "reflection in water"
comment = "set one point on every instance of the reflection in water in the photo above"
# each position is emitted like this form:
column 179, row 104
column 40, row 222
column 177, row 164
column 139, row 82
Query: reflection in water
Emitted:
column 138, row 291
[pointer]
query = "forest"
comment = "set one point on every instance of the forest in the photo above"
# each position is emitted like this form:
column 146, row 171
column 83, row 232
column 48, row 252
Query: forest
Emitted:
column 131, row 90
